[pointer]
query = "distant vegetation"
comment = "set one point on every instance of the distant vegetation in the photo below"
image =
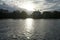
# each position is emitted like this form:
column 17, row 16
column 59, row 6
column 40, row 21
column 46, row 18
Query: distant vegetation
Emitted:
column 5, row 14
column 36, row 15
column 51, row 15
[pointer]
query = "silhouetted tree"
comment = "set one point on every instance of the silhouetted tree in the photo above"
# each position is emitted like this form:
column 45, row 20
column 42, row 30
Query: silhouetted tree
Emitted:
column 51, row 15
column 23, row 14
column 47, row 14
column 4, row 13
column 56, row 14
column 36, row 14
column 16, row 14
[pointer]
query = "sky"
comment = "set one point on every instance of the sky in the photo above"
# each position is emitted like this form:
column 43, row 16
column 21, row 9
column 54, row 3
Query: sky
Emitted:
column 41, row 5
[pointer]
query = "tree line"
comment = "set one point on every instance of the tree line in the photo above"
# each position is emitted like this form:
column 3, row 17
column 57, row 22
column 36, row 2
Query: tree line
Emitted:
column 13, row 15
column 5, row 14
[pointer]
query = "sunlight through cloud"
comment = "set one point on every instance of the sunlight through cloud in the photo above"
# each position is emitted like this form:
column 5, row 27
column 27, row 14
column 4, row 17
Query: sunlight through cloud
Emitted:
column 28, row 6
column 32, row 5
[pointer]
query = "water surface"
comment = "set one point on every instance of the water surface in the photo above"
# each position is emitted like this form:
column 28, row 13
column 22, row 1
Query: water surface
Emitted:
column 30, row 29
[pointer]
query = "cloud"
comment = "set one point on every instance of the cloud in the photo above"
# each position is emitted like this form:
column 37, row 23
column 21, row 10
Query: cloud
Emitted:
column 40, row 4
column 52, row 1
column 47, row 4
column 54, row 4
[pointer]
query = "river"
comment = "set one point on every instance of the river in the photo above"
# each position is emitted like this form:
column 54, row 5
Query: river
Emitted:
column 30, row 29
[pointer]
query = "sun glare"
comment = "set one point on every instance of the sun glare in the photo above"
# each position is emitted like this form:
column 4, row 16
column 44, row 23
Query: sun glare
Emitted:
column 28, row 6
column 29, row 27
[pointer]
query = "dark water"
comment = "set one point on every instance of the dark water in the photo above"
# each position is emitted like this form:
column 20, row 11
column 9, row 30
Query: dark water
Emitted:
column 30, row 29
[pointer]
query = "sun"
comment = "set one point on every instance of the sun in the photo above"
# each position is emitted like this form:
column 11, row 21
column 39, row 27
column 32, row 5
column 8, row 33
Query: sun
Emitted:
column 28, row 6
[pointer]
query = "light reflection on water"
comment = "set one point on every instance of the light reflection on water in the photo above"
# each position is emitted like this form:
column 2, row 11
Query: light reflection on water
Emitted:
column 28, row 30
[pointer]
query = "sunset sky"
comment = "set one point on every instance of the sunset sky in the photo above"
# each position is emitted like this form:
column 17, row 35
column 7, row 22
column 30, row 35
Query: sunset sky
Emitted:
column 34, row 4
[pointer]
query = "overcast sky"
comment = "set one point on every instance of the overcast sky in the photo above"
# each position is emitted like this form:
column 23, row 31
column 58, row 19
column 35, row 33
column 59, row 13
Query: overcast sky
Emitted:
column 39, row 4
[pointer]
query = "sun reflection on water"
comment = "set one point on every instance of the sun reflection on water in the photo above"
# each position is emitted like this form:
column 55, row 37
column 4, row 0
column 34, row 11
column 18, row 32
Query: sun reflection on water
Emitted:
column 28, row 31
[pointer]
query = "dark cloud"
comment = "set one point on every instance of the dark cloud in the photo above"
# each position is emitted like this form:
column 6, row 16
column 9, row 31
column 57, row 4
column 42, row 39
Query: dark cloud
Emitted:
column 52, row 1
column 52, row 4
